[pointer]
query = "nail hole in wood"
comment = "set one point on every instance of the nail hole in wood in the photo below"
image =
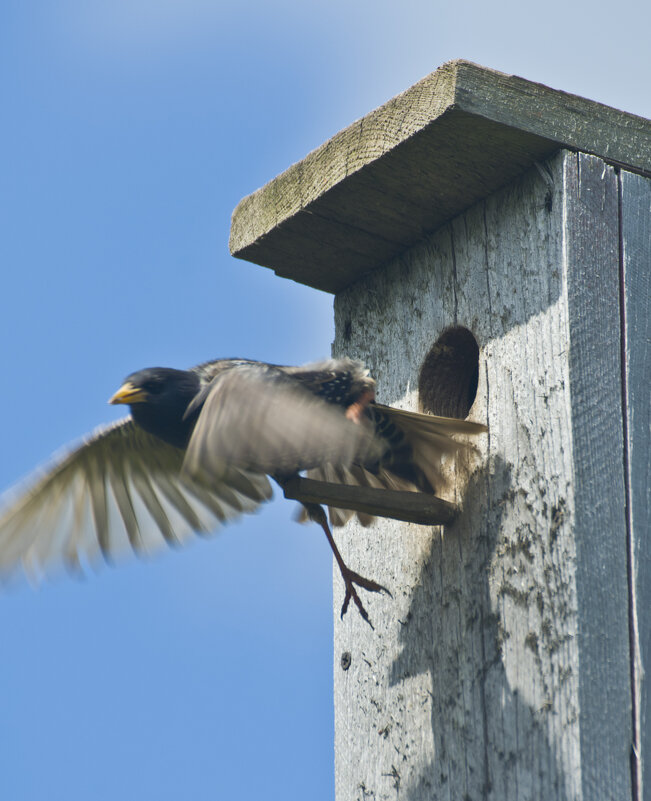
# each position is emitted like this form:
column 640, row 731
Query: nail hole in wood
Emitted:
column 448, row 378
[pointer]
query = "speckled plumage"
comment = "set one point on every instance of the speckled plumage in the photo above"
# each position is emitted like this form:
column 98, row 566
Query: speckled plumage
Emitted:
column 197, row 450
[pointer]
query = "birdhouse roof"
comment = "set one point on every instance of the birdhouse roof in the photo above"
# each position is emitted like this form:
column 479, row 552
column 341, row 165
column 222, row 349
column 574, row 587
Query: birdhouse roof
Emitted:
column 405, row 169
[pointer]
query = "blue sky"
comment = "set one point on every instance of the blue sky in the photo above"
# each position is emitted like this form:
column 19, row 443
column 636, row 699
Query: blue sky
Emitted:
column 130, row 131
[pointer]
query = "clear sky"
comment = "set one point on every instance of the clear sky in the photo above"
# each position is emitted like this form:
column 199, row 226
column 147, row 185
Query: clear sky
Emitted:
column 130, row 130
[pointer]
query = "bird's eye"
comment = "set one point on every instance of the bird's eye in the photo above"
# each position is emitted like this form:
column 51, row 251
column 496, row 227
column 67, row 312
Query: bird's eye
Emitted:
column 153, row 387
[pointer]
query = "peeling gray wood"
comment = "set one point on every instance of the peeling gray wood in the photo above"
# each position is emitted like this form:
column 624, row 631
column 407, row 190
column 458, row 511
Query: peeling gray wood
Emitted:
column 500, row 668
column 402, row 171
column 636, row 275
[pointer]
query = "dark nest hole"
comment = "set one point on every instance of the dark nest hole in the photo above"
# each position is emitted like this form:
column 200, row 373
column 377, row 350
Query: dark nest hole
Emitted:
column 448, row 378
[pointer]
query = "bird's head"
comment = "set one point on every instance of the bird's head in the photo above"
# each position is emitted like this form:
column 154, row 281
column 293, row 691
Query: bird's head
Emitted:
column 158, row 398
column 158, row 386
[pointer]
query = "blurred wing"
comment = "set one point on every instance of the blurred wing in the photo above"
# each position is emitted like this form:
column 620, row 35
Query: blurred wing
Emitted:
column 120, row 491
column 256, row 417
column 429, row 439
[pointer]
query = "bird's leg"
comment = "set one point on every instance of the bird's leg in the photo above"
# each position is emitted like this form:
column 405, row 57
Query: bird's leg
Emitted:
column 316, row 513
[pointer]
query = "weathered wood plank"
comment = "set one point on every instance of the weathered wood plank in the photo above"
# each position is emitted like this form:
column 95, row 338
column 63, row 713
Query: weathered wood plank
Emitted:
column 591, row 257
column 412, row 507
column 468, row 688
column 636, row 276
column 500, row 670
column 530, row 682
column 406, row 168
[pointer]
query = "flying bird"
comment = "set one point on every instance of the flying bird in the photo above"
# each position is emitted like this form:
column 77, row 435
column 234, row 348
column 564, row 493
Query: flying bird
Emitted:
column 198, row 449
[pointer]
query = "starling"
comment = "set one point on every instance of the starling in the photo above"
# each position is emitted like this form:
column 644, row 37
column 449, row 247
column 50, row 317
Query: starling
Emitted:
column 198, row 449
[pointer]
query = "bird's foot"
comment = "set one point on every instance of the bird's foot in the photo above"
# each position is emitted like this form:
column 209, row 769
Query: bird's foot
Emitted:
column 316, row 513
column 350, row 579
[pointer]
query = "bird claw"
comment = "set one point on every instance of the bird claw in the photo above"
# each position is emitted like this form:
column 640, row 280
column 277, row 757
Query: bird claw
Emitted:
column 350, row 579
column 315, row 512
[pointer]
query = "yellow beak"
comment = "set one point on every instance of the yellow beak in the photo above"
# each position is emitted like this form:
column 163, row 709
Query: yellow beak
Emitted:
column 128, row 393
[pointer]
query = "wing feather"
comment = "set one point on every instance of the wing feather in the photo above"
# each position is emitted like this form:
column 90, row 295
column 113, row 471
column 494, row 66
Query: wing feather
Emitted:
column 125, row 506
column 120, row 490
column 258, row 418
column 430, row 440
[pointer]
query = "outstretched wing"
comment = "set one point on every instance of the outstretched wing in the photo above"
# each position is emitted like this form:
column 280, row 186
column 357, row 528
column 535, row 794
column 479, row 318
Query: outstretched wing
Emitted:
column 121, row 490
column 259, row 418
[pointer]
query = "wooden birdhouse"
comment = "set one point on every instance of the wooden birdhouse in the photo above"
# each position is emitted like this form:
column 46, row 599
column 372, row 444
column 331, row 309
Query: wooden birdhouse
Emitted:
column 488, row 243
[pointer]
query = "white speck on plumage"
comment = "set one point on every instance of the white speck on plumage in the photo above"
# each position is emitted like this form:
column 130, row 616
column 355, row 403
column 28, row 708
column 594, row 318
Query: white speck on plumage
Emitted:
column 197, row 451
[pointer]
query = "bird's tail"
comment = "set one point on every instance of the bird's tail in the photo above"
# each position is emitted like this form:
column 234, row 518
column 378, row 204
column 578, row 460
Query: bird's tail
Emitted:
column 417, row 446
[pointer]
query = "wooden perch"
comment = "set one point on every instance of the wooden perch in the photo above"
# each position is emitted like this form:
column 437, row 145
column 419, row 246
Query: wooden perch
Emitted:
column 411, row 507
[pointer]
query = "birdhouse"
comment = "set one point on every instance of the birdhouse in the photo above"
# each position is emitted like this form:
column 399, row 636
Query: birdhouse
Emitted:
column 488, row 244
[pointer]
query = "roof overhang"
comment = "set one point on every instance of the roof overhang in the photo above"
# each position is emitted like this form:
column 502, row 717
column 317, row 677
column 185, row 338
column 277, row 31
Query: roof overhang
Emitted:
column 411, row 165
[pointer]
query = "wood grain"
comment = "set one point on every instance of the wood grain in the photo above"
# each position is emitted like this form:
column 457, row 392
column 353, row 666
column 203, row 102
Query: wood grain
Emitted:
column 636, row 288
column 595, row 372
column 403, row 170
column 501, row 667
column 469, row 686
column 412, row 507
